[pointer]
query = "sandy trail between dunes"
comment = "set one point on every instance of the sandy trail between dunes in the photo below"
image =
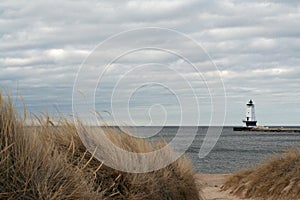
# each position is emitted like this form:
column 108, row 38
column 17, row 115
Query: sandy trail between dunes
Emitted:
column 211, row 187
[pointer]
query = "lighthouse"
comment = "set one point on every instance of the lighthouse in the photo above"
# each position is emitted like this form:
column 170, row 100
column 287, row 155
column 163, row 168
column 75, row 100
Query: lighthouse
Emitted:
column 250, row 115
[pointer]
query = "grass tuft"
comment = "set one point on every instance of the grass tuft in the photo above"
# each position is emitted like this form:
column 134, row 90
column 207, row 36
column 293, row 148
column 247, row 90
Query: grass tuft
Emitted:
column 49, row 161
column 276, row 178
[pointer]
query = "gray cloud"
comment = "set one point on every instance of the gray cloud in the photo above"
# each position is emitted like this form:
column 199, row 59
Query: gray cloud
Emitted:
column 255, row 45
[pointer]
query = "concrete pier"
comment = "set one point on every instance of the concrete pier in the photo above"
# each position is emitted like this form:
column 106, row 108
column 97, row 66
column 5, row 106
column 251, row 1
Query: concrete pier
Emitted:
column 267, row 129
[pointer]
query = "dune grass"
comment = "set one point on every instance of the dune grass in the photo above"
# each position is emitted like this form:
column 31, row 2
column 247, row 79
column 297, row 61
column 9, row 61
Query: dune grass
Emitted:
column 50, row 162
column 276, row 178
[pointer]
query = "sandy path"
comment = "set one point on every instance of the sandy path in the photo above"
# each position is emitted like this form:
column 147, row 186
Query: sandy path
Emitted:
column 211, row 186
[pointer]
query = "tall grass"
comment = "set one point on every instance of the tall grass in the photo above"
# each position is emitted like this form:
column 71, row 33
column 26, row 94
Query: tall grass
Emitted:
column 50, row 162
column 276, row 178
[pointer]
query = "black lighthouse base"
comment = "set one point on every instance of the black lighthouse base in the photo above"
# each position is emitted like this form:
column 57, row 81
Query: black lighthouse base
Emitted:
column 250, row 123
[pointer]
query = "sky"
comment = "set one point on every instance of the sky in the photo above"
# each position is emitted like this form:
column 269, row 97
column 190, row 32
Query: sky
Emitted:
column 48, row 49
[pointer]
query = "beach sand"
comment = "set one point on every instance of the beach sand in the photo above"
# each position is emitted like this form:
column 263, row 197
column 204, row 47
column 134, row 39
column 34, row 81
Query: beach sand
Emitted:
column 211, row 186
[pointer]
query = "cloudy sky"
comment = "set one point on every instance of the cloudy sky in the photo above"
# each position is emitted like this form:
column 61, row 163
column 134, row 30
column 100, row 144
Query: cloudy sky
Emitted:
column 255, row 46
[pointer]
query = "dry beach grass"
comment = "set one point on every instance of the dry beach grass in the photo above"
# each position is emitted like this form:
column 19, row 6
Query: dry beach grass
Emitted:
column 276, row 178
column 50, row 162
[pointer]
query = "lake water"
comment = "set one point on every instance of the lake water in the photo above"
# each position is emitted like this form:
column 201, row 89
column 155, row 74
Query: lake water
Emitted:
column 234, row 150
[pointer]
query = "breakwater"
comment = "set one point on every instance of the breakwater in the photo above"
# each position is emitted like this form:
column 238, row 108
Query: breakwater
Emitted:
column 267, row 129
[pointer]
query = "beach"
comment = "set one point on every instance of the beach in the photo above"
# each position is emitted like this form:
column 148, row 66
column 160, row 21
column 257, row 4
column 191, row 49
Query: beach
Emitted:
column 55, row 164
column 211, row 187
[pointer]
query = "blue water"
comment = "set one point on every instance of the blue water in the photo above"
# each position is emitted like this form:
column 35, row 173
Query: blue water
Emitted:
column 234, row 150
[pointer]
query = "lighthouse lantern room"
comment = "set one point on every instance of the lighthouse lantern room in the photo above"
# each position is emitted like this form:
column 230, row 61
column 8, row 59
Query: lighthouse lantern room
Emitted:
column 250, row 115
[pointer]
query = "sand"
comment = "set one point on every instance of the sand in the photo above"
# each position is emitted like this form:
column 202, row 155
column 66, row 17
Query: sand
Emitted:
column 211, row 187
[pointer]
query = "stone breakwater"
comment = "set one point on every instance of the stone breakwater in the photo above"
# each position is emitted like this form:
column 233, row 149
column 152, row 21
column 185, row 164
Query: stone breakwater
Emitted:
column 267, row 129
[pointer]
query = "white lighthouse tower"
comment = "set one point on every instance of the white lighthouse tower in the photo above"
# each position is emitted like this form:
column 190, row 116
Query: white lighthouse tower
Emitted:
column 250, row 120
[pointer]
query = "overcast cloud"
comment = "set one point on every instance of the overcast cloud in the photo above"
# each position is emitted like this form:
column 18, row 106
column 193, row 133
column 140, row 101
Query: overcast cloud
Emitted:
column 255, row 45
